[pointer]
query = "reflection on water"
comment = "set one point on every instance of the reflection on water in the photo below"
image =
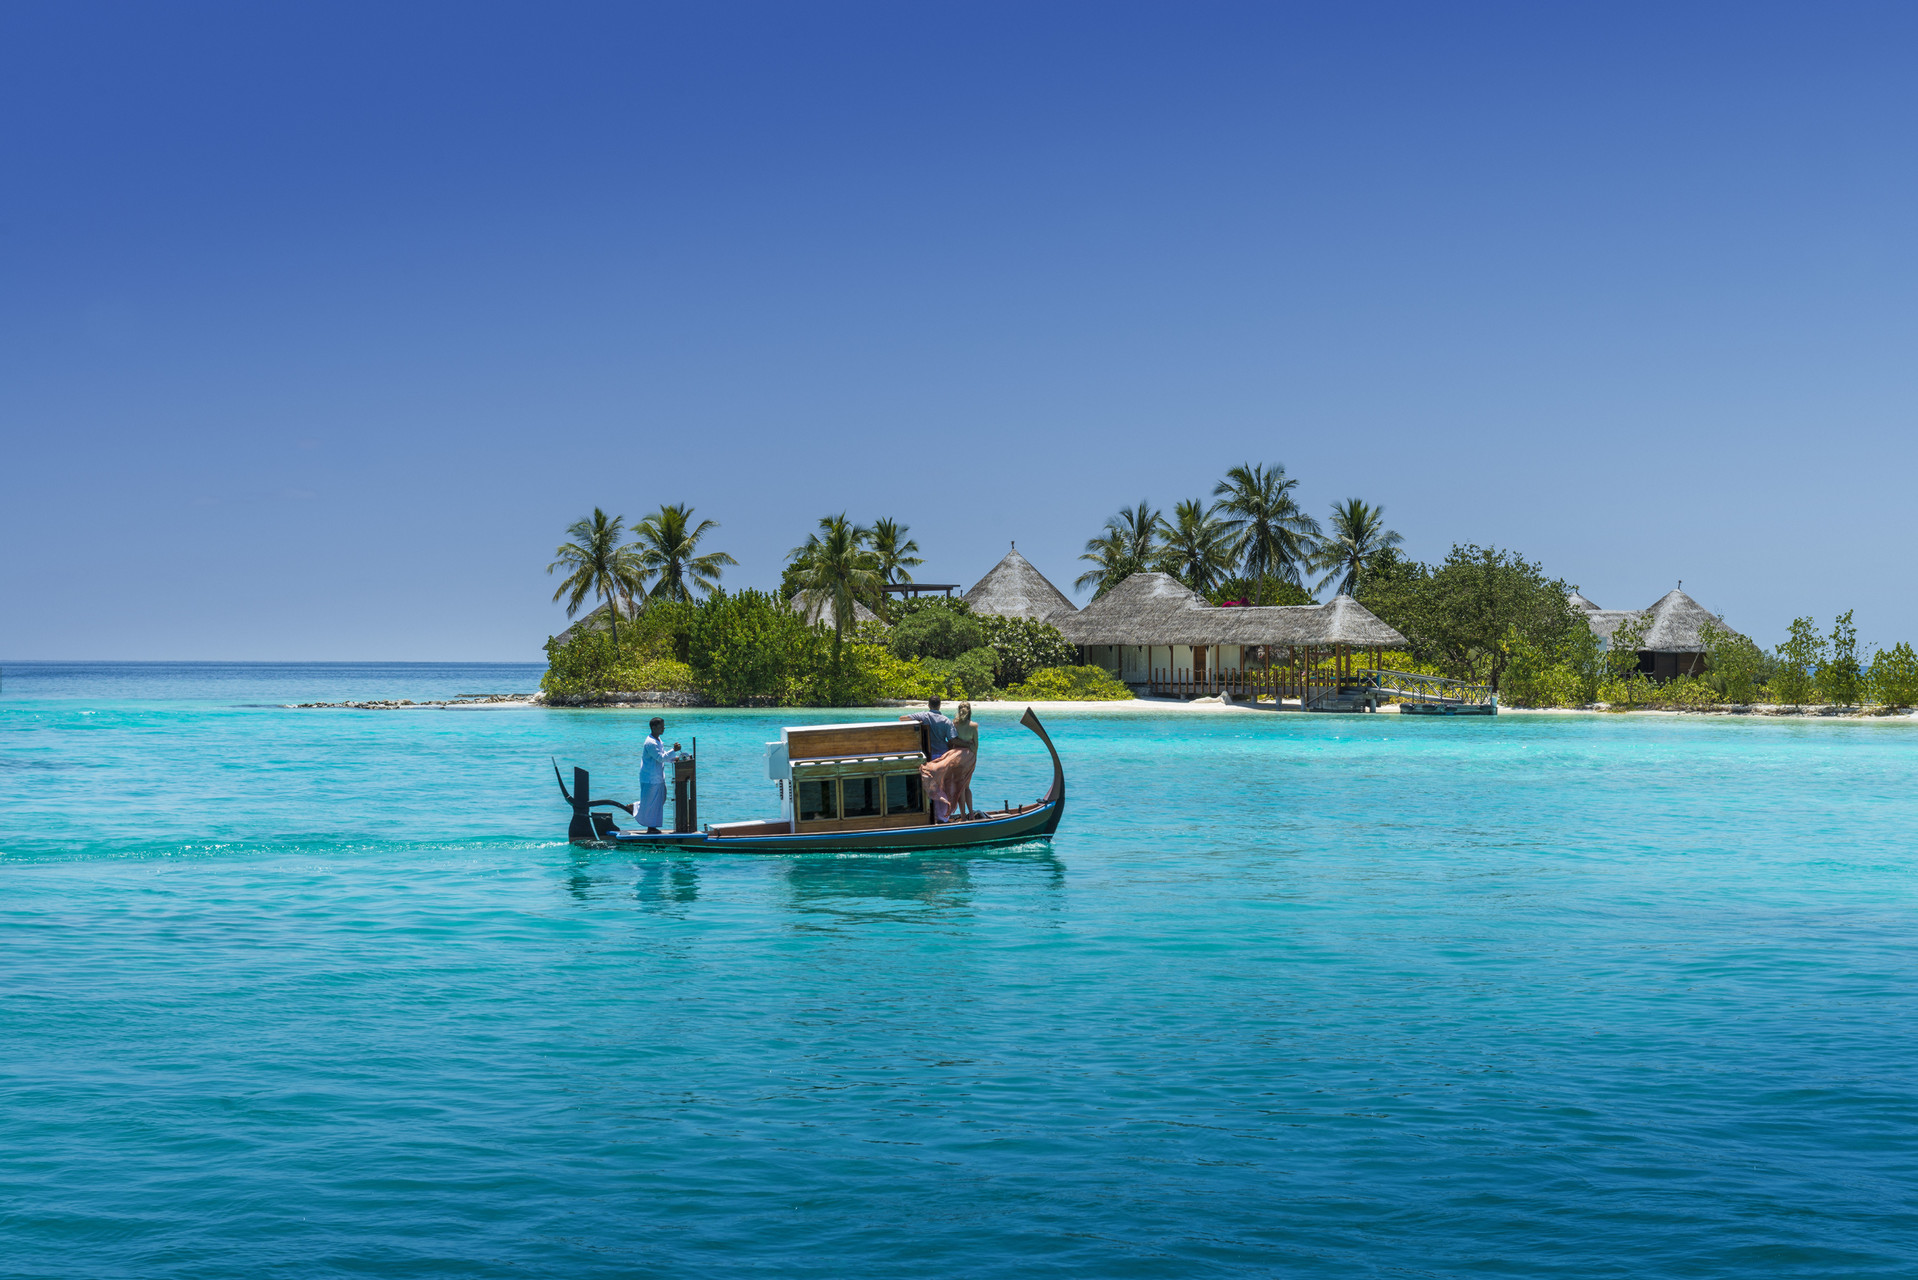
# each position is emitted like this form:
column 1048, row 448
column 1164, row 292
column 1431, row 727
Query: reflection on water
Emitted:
column 911, row 885
column 664, row 885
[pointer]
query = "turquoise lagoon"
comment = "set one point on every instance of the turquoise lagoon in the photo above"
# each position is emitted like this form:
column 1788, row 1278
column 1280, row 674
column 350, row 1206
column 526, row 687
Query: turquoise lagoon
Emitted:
column 321, row 993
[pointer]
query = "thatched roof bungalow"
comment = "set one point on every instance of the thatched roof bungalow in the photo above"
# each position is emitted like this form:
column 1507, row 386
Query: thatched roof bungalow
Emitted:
column 1674, row 642
column 1014, row 589
column 1152, row 629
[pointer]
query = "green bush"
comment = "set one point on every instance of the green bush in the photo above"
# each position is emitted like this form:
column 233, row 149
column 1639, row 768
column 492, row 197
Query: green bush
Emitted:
column 937, row 632
column 1794, row 682
column 588, row 665
column 1069, row 684
column 967, row 676
column 1686, row 693
column 1024, row 645
column 747, row 647
column 1840, row 678
column 1894, row 676
column 1736, row 668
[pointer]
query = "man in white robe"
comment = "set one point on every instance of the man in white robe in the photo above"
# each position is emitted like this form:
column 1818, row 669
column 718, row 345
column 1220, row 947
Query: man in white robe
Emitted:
column 651, row 805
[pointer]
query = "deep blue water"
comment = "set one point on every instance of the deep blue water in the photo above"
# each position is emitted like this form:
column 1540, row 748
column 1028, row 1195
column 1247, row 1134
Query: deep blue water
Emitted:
column 321, row 993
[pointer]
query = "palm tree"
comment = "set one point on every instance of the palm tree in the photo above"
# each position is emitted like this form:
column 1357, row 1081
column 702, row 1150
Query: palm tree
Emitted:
column 895, row 550
column 1358, row 534
column 1276, row 537
column 1197, row 547
column 668, row 545
column 596, row 563
column 837, row 566
column 1127, row 545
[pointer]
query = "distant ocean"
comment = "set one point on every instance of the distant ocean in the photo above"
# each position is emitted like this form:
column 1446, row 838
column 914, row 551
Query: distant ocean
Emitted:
column 326, row 993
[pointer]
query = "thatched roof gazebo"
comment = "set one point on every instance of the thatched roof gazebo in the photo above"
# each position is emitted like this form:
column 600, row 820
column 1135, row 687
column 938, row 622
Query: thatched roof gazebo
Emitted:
column 1014, row 589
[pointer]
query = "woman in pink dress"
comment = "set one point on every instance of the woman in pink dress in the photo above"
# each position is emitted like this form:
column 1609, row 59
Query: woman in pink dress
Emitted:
column 948, row 780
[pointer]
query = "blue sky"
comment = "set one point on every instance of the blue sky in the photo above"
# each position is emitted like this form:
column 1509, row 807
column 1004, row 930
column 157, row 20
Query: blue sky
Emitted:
column 318, row 325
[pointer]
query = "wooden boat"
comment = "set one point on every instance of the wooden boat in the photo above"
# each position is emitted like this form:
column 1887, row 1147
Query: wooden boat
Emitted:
column 843, row 788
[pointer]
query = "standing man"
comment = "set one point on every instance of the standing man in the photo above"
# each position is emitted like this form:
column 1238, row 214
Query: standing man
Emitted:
column 938, row 729
column 650, row 808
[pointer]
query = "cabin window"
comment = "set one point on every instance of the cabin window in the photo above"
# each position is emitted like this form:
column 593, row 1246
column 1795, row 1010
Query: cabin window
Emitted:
column 903, row 794
column 818, row 798
column 862, row 797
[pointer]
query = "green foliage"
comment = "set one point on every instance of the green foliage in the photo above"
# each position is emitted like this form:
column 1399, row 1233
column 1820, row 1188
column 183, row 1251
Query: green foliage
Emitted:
column 894, row 550
column 666, row 548
column 1633, row 689
column 1358, row 534
column 1197, row 546
column 596, row 564
column 1894, row 676
column 1840, row 677
column 748, row 647
column 837, row 565
column 591, row 663
column 937, row 632
column 1735, row 667
column 1685, row 693
column 1069, row 684
column 1583, row 655
column 1621, row 653
column 1273, row 538
column 1799, row 658
column 1460, row 613
column 1260, row 591
column 969, row 675
column 1024, row 645
column 1127, row 545
column 1537, row 677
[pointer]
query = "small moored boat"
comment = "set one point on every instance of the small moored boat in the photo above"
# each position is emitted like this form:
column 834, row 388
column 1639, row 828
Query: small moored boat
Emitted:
column 842, row 787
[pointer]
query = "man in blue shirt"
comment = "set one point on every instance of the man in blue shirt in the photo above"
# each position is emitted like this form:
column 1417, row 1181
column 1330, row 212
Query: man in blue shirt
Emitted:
column 938, row 729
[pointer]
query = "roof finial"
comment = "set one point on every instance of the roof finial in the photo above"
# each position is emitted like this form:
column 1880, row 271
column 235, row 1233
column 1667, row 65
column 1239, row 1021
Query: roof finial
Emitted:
column 1015, row 544
column 1681, row 584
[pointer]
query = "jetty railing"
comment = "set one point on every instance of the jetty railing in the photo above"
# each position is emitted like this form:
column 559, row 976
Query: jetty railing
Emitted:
column 1311, row 687
column 1409, row 686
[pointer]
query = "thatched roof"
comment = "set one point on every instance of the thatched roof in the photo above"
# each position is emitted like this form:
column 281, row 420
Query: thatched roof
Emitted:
column 594, row 621
column 821, row 610
column 1155, row 608
column 1580, row 603
column 1672, row 625
column 1014, row 589
column 1676, row 623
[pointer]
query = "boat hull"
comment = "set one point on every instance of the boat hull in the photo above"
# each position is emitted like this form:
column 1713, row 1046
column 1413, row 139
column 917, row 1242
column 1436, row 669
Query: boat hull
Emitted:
column 1033, row 824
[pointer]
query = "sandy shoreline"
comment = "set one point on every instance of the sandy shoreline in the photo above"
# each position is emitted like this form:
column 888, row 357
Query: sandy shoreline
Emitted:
column 1132, row 706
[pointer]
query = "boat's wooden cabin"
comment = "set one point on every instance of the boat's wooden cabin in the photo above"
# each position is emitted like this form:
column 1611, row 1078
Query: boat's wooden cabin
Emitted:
column 850, row 777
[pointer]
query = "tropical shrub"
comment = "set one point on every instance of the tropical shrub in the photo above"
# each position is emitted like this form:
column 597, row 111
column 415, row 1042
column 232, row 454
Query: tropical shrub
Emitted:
column 1799, row 658
column 967, row 676
column 747, row 647
column 589, row 664
column 1840, row 678
column 1686, row 693
column 1069, row 684
column 1024, row 645
column 1894, row 676
column 1459, row 613
column 937, row 632
column 1634, row 689
column 1735, row 667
